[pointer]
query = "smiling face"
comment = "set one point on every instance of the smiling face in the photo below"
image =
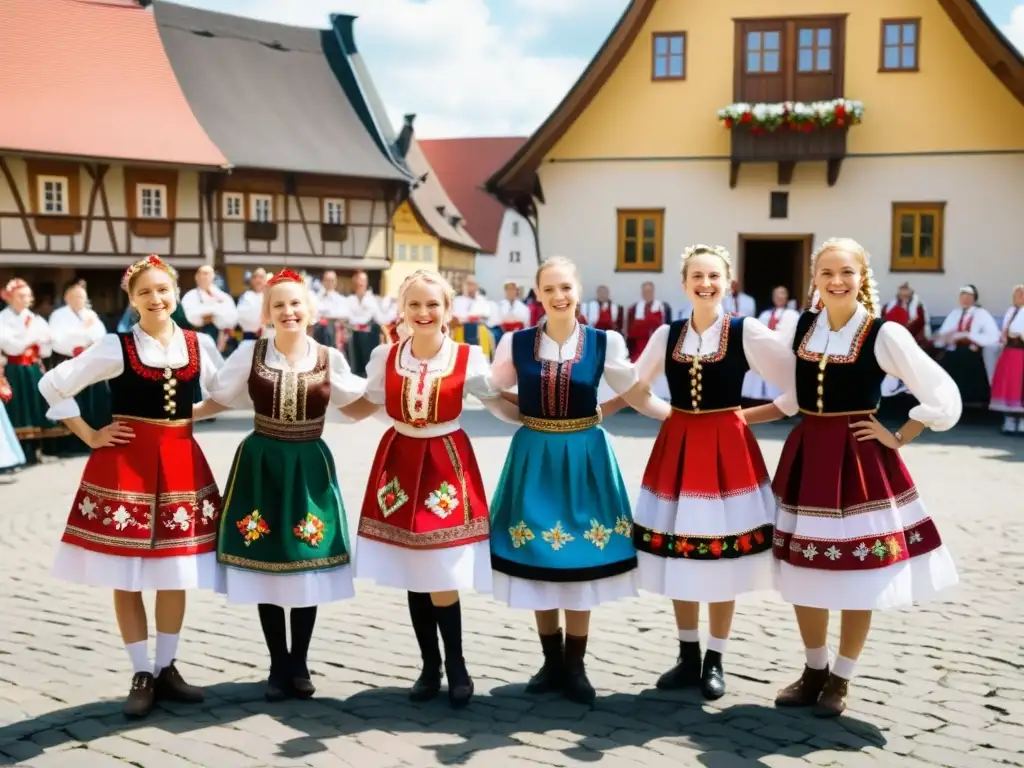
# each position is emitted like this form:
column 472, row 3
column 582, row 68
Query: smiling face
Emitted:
column 425, row 307
column 559, row 290
column 838, row 275
column 287, row 307
column 153, row 294
column 705, row 279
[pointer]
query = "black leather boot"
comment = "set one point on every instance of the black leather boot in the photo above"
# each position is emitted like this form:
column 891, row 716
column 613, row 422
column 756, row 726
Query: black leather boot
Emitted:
column 687, row 671
column 577, row 685
column 712, row 681
column 551, row 676
column 424, row 624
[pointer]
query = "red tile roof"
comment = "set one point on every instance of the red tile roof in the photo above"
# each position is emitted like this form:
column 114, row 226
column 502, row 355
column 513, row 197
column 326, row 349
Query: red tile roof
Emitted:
column 463, row 165
column 89, row 78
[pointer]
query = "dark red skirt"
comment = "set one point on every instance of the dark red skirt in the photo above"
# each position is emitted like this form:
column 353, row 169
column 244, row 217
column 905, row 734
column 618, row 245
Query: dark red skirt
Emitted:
column 425, row 493
column 154, row 497
column 711, row 455
column 825, row 473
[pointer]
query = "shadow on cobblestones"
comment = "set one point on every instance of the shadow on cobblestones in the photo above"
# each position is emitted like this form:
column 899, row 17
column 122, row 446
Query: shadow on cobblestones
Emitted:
column 505, row 718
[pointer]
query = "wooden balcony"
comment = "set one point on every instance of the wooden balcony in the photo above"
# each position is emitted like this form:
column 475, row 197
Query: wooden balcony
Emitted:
column 261, row 230
column 787, row 148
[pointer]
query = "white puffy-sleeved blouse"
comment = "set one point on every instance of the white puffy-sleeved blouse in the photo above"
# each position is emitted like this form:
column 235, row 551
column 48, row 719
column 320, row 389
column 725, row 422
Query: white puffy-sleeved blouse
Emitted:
column 250, row 311
column 1013, row 322
column 21, row 330
column 478, row 383
column 230, row 386
column 899, row 355
column 197, row 304
column 619, row 372
column 766, row 352
column 69, row 331
column 105, row 360
column 983, row 331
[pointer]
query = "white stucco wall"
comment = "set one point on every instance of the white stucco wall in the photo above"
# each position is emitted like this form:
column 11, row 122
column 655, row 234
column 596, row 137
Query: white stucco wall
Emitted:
column 984, row 216
column 515, row 259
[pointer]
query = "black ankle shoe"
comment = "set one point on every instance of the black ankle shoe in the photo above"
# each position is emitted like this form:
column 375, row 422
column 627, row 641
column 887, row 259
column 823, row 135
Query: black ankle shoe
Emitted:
column 577, row 684
column 460, row 684
column 428, row 684
column 279, row 686
column 712, row 681
column 551, row 676
column 302, row 683
column 686, row 673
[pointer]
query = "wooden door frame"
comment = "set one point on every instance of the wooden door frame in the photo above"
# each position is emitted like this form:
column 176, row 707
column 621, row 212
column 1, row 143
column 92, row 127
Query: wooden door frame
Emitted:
column 807, row 244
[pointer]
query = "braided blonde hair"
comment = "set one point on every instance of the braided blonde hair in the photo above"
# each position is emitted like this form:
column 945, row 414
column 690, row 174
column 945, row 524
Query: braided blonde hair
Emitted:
column 868, row 293
column 714, row 250
column 430, row 278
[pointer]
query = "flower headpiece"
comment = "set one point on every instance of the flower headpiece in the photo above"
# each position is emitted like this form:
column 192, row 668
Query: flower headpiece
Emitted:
column 150, row 262
column 13, row 285
column 286, row 276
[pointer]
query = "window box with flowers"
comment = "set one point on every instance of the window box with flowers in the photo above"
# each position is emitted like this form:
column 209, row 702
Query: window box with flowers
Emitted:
column 790, row 132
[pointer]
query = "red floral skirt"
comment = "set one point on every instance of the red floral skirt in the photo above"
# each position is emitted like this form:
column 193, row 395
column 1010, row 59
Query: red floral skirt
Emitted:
column 154, row 497
column 844, row 504
column 425, row 493
column 1008, row 381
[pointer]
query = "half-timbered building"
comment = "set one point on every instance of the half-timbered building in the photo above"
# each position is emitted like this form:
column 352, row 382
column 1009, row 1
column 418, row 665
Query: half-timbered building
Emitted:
column 312, row 186
column 101, row 159
column 769, row 127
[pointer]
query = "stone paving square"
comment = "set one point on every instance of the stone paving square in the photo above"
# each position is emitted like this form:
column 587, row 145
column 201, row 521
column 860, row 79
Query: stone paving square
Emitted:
column 941, row 684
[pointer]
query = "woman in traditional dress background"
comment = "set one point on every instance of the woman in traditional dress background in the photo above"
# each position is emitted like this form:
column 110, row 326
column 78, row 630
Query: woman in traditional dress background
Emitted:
column 562, row 528
column 704, row 520
column 284, row 541
column 1008, row 381
column 424, row 525
column 852, row 533
column 25, row 342
column 960, row 345
column 11, row 454
column 74, row 328
column 782, row 320
column 145, row 514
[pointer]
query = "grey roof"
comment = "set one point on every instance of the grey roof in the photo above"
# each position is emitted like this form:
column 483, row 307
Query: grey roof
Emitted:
column 267, row 93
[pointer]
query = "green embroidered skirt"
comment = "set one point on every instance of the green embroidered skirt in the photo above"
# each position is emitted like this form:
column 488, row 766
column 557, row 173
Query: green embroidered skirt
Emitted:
column 284, row 536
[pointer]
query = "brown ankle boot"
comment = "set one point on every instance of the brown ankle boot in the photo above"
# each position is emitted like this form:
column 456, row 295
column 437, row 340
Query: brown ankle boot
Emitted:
column 832, row 702
column 805, row 691
column 142, row 696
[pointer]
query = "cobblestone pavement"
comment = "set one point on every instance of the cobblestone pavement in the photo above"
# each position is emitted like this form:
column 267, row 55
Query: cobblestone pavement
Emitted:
column 938, row 685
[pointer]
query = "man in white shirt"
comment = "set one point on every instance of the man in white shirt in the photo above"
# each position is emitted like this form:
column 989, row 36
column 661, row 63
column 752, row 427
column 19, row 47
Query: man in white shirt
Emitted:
column 208, row 309
column 603, row 313
column 511, row 314
column 332, row 310
column 364, row 321
column 250, row 306
column 737, row 303
column 471, row 310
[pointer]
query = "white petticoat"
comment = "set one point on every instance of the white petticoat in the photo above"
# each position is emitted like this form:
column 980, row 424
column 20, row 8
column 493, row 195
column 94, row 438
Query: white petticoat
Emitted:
column 464, row 567
column 288, row 590
column 134, row 574
column 565, row 595
column 706, row 581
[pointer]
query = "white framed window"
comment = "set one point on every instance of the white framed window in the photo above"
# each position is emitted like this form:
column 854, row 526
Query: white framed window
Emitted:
column 400, row 254
column 53, row 195
column 428, row 253
column 334, row 211
column 261, row 208
column 513, row 257
column 414, row 253
column 233, row 202
column 151, row 201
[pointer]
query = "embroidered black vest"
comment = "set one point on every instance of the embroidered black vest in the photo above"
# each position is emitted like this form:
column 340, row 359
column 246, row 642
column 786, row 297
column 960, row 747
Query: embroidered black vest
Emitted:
column 716, row 382
column 852, row 382
column 155, row 393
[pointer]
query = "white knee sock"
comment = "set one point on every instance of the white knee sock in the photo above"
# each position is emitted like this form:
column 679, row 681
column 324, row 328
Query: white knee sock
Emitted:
column 689, row 635
column 1009, row 423
column 139, row 654
column 817, row 658
column 717, row 644
column 166, row 649
column 844, row 667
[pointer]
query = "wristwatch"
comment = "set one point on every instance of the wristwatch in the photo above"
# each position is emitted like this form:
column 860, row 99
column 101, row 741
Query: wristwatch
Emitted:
column 899, row 436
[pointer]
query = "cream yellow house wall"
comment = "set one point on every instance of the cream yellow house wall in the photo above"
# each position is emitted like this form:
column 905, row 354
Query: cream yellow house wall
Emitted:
column 953, row 104
column 409, row 234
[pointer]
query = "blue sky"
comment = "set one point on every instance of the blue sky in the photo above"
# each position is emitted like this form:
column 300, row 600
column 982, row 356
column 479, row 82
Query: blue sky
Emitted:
column 511, row 63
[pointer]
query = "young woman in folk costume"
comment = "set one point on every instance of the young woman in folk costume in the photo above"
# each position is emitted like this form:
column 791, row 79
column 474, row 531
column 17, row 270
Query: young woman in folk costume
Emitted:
column 284, row 539
column 1008, row 381
column 25, row 341
column 424, row 524
column 703, row 523
column 145, row 515
column 960, row 344
column 852, row 534
column 561, row 517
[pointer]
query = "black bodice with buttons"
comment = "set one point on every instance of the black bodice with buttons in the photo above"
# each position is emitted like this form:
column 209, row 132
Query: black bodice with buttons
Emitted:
column 155, row 393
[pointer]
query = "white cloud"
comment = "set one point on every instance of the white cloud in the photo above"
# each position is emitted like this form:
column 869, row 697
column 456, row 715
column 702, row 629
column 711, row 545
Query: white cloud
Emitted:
column 445, row 60
column 1015, row 29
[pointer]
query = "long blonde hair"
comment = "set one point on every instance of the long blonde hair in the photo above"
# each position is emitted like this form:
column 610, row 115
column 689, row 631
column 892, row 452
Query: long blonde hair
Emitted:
column 430, row 278
column 868, row 293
